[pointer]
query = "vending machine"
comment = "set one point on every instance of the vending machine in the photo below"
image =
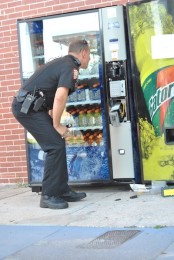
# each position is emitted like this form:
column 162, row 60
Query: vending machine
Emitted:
column 100, row 112
column 116, row 80
column 151, row 37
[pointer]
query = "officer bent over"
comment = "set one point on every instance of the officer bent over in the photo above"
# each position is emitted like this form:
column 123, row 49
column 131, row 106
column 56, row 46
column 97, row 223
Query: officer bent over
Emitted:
column 47, row 89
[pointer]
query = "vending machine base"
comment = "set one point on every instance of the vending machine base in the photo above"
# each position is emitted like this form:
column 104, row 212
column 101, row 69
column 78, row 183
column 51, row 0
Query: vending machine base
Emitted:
column 37, row 188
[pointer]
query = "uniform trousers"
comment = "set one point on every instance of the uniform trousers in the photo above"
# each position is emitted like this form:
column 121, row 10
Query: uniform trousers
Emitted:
column 40, row 125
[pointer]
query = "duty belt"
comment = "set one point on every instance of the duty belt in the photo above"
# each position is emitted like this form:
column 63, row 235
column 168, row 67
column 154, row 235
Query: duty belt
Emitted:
column 34, row 101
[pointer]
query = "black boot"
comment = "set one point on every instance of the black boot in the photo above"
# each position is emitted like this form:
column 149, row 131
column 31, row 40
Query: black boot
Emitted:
column 53, row 202
column 72, row 196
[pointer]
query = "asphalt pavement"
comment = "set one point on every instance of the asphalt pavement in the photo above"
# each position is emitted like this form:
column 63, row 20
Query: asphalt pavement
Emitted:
column 112, row 222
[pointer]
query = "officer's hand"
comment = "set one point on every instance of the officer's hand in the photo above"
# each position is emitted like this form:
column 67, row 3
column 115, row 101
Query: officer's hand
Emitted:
column 62, row 130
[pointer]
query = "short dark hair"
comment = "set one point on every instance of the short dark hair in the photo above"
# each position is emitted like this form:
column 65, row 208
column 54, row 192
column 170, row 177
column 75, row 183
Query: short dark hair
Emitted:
column 77, row 46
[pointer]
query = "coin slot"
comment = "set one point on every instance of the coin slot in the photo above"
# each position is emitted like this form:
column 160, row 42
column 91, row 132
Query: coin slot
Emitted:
column 169, row 135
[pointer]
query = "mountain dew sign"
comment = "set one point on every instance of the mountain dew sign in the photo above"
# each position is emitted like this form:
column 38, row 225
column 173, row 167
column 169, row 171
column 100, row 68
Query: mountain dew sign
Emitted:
column 155, row 93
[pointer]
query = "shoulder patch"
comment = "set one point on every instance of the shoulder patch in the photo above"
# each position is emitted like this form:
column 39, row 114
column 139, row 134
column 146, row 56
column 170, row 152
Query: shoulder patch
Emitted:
column 75, row 74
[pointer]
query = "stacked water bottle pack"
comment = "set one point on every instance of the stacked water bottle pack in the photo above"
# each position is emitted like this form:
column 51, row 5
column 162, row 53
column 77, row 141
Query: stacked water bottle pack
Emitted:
column 85, row 138
column 85, row 115
column 86, row 91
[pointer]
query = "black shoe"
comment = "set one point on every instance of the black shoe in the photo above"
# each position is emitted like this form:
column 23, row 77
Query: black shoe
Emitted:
column 72, row 196
column 53, row 202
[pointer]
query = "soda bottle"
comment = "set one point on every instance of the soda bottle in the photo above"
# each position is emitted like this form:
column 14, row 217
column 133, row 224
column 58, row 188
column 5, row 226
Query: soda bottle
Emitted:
column 98, row 118
column 82, row 118
column 75, row 116
column 90, row 118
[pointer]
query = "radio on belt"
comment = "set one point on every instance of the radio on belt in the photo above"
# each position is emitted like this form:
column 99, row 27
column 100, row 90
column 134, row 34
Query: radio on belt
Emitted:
column 27, row 103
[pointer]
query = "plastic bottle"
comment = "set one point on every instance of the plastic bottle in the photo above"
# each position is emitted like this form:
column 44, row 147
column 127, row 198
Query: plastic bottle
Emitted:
column 90, row 118
column 98, row 118
column 82, row 118
column 81, row 94
column 75, row 116
column 72, row 97
column 94, row 92
column 99, row 139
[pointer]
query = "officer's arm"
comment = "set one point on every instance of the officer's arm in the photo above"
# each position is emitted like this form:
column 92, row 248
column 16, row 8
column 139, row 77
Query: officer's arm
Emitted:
column 58, row 108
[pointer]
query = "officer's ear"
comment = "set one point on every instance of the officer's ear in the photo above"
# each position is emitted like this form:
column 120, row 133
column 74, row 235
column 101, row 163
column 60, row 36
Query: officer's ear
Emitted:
column 83, row 53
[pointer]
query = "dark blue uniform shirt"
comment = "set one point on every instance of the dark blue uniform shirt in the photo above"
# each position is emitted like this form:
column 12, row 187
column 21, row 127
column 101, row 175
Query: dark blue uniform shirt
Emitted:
column 60, row 72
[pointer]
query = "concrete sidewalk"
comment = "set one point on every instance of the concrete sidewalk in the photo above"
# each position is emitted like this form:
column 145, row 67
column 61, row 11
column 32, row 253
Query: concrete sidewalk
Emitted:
column 104, row 206
column 108, row 224
column 84, row 243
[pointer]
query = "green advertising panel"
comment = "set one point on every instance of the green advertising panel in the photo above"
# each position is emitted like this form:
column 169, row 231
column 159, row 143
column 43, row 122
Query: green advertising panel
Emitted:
column 151, row 35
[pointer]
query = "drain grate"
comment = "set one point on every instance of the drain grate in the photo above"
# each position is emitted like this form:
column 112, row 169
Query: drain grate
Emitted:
column 111, row 239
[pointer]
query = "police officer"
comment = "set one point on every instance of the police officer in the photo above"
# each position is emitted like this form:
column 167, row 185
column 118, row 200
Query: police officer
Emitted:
column 47, row 90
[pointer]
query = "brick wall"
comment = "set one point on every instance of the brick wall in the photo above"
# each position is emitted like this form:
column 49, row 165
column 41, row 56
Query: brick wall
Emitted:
column 13, row 163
